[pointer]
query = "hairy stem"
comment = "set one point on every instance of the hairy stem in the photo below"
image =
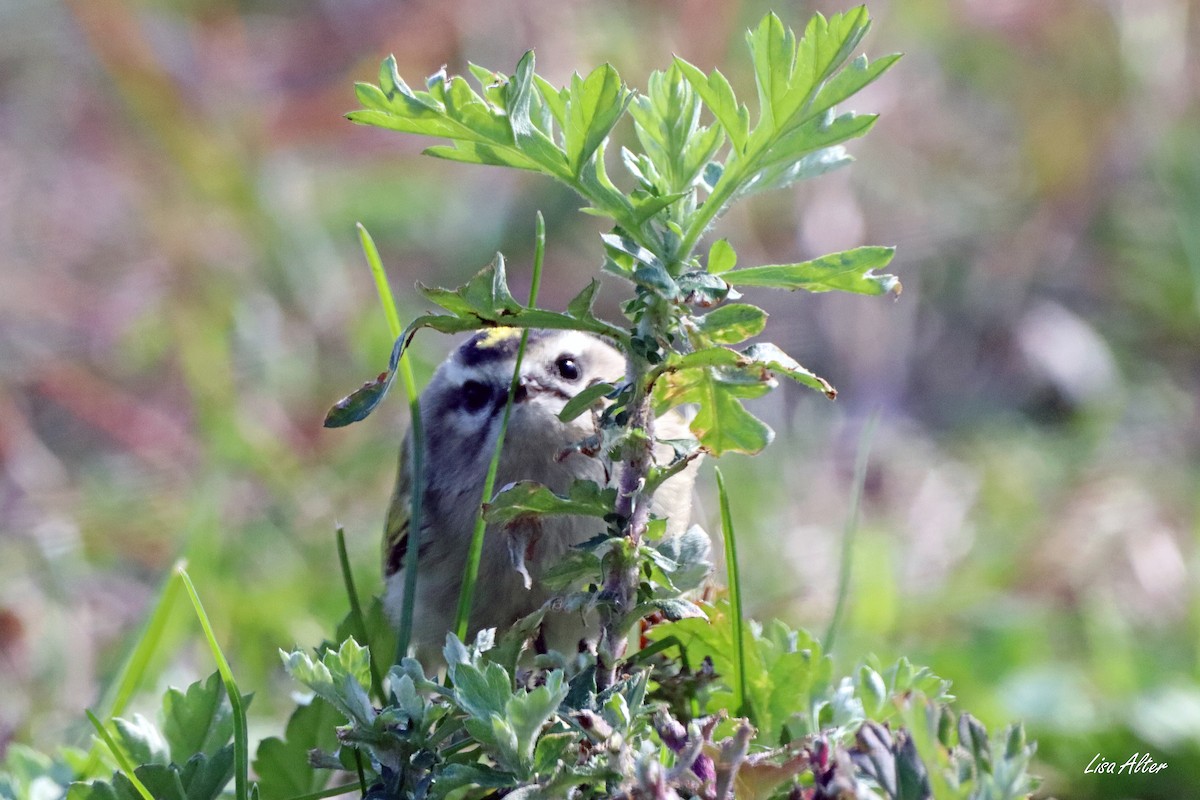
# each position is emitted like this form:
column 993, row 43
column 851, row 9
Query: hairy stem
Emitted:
column 633, row 507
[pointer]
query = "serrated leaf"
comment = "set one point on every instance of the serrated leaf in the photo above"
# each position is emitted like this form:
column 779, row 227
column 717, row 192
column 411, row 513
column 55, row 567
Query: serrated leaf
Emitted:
column 783, row 666
column 819, row 133
column 690, row 553
column 199, row 720
column 585, row 498
column 575, row 566
column 847, row 271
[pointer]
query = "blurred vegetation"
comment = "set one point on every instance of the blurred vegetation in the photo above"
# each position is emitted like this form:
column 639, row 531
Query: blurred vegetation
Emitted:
column 183, row 297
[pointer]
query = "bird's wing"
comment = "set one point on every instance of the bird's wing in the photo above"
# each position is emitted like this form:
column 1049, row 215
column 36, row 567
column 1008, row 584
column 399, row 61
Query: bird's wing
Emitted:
column 395, row 536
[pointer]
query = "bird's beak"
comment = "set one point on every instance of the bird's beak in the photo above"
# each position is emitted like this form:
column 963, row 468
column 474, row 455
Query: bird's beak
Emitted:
column 526, row 388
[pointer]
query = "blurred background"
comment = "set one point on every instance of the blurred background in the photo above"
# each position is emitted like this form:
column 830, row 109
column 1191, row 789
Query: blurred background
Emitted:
column 183, row 296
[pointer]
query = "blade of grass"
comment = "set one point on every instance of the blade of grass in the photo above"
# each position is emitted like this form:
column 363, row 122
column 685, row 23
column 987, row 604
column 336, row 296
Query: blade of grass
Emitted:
column 735, row 598
column 357, row 620
column 471, row 572
column 133, row 671
column 850, row 532
column 241, row 747
column 123, row 762
column 381, row 283
column 417, row 437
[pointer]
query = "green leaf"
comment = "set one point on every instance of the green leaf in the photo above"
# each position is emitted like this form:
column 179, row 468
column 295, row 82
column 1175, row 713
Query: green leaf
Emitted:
column 721, row 257
column 482, row 691
column 773, row 52
column 519, row 97
column 784, row 668
column 774, row 359
column 204, row 777
column 717, row 94
column 580, row 306
column 647, row 271
column 282, row 765
column 594, row 105
column 483, row 153
column 574, row 567
column 701, row 288
column 855, row 77
column 586, row 399
column 691, row 555
column 847, row 271
column 528, row 712
column 721, row 424
column 673, row 608
column 163, row 782
column 460, row 776
column 783, row 174
column 199, row 720
column 552, row 749
column 585, row 498
column 361, row 402
column 141, row 740
column 340, row 678
column 731, row 323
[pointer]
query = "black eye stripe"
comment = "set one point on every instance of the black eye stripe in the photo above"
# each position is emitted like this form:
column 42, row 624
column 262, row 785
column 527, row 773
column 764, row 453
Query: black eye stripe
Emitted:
column 474, row 396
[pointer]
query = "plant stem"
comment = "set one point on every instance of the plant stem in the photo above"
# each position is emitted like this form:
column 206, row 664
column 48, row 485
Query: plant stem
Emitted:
column 633, row 507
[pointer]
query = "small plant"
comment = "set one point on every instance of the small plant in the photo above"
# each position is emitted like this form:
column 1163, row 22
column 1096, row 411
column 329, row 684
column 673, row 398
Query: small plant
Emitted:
column 709, row 705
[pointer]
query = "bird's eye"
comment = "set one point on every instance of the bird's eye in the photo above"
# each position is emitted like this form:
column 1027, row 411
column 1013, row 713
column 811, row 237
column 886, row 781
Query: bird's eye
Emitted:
column 568, row 368
column 475, row 396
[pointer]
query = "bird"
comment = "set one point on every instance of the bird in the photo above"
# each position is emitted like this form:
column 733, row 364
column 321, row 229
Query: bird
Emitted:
column 461, row 410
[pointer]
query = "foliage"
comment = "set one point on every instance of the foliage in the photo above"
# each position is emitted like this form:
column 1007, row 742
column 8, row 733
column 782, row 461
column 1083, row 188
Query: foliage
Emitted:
column 188, row 755
column 710, row 707
column 542, row 735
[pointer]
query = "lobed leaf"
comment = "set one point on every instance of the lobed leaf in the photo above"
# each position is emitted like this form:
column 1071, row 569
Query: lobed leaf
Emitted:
column 197, row 720
column 585, row 498
column 339, row 677
column 847, row 271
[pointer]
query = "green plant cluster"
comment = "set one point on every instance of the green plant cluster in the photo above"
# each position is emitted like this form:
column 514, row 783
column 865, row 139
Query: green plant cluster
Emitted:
column 708, row 705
